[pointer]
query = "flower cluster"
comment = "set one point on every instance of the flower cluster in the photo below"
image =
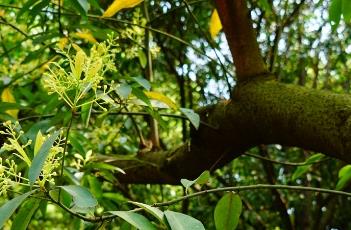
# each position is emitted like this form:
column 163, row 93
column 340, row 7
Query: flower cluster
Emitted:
column 52, row 163
column 86, row 72
column 14, row 134
column 9, row 175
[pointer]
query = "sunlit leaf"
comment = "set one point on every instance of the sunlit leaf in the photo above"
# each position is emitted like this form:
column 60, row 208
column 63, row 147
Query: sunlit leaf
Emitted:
column 193, row 117
column 180, row 221
column 152, row 210
column 301, row 170
column 215, row 24
column 202, row 179
column 39, row 140
column 6, row 96
column 227, row 212
column 118, row 5
column 135, row 219
column 62, row 43
column 344, row 177
column 163, row 98
column 86, row 36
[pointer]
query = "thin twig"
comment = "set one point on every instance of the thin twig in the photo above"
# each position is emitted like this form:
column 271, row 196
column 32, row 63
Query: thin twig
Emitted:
column 193, row 195
column 283, row 162
column 253, row 187
column 64, row 152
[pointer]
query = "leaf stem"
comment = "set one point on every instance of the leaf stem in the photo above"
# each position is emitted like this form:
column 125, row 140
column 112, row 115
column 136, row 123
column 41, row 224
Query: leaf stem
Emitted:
column 64, row 152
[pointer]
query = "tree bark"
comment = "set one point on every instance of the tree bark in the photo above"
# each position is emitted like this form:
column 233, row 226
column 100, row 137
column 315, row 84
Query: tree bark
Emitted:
column 262, row 111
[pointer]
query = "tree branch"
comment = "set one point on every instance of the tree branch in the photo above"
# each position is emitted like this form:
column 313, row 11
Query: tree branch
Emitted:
column 241, row 38
column 261, row 112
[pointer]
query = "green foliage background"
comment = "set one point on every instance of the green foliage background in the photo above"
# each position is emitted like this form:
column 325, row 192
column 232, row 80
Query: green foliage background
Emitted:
column 299, row 44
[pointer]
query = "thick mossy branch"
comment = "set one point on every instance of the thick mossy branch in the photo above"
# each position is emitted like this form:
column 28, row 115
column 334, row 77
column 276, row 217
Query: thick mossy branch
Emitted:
column 261, row 112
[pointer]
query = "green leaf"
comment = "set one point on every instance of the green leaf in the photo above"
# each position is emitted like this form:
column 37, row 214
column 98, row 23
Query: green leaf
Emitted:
column 40, row 157
column 346, row 10
column 95, row 186
column 152, row 210
column 187, row 184
column 95, row 3
column 162, row 98
column 118, row 198
column 10, row 206
column 101, row 165
column 135, row 219
column 301, row 170
column 142, row 82
column 86, row 112
column 202, row 179
column 8, row 106
column 83, row 200
column 335, row 12
column 344, row 171
column 65, row 197
column 25, row 214
column 180, row 221
column 193, row 117
column 227, row 212
column 38, row 7
column 141, row 95
column 82, row 6
column 124, row 90
column 25, row 8
column 266, row 6
column 39, row 140
column 344, row 177
column 142, row 58
column 35, row 128
column 76, row 143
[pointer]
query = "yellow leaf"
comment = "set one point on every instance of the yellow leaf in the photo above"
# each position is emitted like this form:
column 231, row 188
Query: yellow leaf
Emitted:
column 39, row 140
column 62, row 43
column 118, row 5
column 215, row 24
column 76, row 47
column 7, row 96
column 2, row 13
column 162, row 98
column 87, row 36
